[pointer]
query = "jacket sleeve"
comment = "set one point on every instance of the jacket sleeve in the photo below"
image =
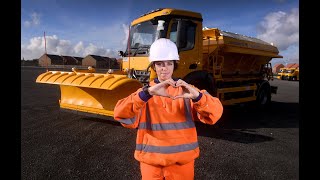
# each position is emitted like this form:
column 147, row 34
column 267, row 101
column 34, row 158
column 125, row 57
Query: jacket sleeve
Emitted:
column 128, row 110
column 208, row 109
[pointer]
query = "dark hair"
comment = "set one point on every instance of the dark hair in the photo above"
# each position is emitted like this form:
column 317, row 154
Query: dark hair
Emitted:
column 175, row 64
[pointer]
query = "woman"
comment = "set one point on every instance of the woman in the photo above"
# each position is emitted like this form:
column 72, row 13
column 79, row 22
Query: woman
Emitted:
column 164, row 113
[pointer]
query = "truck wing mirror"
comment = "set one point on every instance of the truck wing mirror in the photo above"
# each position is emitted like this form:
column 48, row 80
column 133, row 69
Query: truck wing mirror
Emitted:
column 120, row 53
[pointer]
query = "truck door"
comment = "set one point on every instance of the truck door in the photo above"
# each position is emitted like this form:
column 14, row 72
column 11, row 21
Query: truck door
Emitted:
column 183, row 33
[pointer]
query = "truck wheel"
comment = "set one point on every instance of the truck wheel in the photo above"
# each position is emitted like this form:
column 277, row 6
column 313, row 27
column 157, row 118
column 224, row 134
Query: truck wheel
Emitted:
column 201, row 80
column 263, row 94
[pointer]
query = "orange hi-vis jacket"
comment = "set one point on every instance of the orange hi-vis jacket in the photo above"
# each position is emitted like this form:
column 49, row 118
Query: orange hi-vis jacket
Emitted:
column 166, row 131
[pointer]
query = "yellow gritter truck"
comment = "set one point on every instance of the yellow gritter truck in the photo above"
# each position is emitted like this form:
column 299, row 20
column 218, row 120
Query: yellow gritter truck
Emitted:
column 281, row 73
column 233, row 67
column 291, row 74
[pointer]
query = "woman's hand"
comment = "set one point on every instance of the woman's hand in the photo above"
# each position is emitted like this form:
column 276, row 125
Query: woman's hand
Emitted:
column 188, row 90
column 160, row 89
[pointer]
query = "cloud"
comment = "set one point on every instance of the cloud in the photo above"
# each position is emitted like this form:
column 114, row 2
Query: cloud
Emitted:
column 291, row 55
column 36, row 47
column 103, row 41
column 113, row 36
column 78, row 48
column 92, row 49
column 34, row 21
column 282, row 29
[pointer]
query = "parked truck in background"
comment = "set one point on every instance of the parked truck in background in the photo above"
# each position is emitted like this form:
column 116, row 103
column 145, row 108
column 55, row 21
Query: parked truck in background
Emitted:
column 233, row 67
column 291, row 74
column 281, row 73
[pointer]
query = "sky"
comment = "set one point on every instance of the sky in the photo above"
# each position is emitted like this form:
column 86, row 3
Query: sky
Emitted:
column 99, row 27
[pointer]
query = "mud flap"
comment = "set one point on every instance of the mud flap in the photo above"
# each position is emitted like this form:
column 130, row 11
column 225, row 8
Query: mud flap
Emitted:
column 274, row 89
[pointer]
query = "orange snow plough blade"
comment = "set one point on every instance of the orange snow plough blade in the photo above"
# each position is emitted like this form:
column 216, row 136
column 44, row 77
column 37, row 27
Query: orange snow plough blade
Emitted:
column 93, row 93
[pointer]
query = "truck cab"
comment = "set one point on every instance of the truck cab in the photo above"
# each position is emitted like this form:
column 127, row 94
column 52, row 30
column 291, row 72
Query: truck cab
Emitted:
column 292, row 74
column 182, row 27
column 281, row 73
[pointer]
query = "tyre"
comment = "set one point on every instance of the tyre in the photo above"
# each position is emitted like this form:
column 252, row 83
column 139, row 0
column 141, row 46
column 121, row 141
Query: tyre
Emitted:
column 263, row 95
column 201, row 80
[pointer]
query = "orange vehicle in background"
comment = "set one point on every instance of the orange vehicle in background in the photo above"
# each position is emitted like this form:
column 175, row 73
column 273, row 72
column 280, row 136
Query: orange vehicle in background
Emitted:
column 292, row 74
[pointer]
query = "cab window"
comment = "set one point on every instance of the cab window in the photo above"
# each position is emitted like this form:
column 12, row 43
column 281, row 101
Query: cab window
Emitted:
column 183, row 34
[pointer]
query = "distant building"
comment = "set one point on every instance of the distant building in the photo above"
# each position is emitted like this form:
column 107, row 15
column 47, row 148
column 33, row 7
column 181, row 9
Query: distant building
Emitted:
column 33, row 62
column 292, row 65
column 276, row 68
column 90, row 60
column 68, row 60
column 51, row 59
column 79, row 60
column 100, row 62
column 114, row 63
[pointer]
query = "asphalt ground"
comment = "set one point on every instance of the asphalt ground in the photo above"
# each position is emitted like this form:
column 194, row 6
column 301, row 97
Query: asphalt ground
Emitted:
column 245, row 143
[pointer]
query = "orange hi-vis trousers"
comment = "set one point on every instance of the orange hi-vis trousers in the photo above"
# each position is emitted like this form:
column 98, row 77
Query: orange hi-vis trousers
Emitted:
column 172, row 172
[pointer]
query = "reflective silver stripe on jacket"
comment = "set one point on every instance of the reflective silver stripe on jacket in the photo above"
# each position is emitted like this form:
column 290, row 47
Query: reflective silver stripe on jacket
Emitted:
column 129, row 121
column 166, row 126
column 169, row 126
column 166, row 149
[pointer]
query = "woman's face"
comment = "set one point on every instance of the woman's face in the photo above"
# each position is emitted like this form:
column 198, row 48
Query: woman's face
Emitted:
column 164, row 69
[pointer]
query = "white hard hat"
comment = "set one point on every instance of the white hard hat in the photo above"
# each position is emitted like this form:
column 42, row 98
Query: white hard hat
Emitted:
column 163, row 50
